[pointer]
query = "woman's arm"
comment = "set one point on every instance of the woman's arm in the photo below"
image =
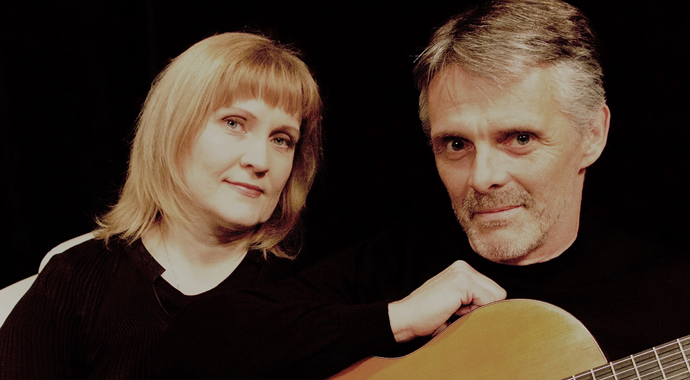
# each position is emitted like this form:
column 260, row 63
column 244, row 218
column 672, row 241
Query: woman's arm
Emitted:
column 323, row 320
column 37, row 341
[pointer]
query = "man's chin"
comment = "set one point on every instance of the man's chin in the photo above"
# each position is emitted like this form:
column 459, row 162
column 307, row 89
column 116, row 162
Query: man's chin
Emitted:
column 500, row 244
column 499, row 230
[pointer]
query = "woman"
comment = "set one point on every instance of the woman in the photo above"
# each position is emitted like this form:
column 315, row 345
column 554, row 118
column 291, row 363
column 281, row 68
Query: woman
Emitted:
column 226, row 149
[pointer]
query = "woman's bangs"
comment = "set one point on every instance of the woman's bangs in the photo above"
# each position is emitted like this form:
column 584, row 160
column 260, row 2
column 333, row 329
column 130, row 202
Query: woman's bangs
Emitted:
column 279, row 85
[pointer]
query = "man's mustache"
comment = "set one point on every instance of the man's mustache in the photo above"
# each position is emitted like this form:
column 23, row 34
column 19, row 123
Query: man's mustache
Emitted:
column 476, row 202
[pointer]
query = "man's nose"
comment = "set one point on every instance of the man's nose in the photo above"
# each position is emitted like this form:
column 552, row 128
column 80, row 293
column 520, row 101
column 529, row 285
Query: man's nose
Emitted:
column 489, row 170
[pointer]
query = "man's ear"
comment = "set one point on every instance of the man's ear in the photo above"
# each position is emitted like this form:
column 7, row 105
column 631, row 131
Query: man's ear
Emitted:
column 595, row 135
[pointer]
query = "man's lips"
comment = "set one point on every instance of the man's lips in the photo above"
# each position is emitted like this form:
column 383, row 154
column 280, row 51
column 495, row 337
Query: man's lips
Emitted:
column 247, row 189
column 495, row 209
column 499, row 212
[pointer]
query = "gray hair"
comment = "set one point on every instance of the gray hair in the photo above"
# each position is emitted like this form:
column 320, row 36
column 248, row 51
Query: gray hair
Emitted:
column 502, row 40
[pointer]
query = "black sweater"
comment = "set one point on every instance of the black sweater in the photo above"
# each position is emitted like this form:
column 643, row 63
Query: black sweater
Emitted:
column 630, row 295
column 96, row 313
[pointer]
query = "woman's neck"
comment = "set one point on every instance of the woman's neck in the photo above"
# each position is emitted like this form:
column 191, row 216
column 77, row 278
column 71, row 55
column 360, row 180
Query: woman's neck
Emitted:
column 195, row 261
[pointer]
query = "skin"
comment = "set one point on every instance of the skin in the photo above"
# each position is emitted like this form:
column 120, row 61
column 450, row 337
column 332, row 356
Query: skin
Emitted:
column 514, row 168
column 459, row 289
column 238, row 166
column 512, row 162
column 235, row 171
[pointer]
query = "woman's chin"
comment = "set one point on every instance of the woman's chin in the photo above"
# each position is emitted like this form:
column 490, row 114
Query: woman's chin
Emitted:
column 240, row 226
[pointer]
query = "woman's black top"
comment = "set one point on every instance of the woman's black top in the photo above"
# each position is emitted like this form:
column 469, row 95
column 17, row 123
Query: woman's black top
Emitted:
column 96, row 312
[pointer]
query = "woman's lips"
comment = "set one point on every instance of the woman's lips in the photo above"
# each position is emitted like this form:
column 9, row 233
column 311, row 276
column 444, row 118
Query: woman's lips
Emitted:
column 246, row 189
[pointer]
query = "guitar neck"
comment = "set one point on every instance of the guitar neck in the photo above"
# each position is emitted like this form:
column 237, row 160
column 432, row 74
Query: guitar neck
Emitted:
column 668, row 362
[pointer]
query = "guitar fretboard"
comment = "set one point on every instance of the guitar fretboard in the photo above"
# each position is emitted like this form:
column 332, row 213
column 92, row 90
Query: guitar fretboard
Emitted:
column 666, row 362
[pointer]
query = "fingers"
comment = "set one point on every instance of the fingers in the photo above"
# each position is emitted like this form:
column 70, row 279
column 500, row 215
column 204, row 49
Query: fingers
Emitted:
column 466, row 309
column 485, row 292
column 485, row 289
column 458, row 289
column 439, row 329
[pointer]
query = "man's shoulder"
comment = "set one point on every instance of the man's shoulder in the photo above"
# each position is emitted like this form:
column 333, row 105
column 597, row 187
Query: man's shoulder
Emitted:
column 428, row 237
column 419, row 249
column 620, row 247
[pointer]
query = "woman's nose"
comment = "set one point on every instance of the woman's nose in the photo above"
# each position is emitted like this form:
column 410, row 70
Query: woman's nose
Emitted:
column 255, row 156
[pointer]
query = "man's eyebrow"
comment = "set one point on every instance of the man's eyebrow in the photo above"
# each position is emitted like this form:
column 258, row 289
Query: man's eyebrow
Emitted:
column 444, row 134
column 439, row 137
column 513, row 130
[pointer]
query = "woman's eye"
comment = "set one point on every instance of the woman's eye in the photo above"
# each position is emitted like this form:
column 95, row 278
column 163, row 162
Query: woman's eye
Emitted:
column 232, row 124
column 282, row 141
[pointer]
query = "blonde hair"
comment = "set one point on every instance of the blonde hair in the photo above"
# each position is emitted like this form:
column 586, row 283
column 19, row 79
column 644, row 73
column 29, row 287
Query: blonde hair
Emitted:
column 213, row 73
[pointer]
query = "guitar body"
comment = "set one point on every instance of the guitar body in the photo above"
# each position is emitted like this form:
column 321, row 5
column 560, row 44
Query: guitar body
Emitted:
column 512, row 339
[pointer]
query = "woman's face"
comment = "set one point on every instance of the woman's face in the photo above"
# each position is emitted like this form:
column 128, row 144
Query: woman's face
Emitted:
column 238, row 166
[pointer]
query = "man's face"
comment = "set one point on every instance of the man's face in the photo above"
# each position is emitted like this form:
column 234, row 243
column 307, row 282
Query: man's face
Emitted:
column 511, row 161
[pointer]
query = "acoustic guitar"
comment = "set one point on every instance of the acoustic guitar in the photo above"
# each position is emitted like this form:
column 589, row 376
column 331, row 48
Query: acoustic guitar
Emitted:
column 523, row 339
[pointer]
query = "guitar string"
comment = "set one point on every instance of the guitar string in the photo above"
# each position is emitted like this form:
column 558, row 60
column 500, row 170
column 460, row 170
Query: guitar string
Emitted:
column 658, row 360
column 685, row 358
column 639, row 377
column 656, row 355
column 613, row 370
column 637, row 371
column 679, row 342
column 632, row 357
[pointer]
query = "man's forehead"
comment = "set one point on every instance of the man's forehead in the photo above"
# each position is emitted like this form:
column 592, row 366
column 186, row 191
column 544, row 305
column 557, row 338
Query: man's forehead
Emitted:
column 456, row 96
column 454, row 79
column 455, row 73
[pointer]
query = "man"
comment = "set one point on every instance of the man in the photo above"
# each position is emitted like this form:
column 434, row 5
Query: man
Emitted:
column 513, row 103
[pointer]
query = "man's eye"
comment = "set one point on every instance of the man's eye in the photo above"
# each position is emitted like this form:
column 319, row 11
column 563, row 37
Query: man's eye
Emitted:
column 523, row 138
column 452, row 147
column 455, row 145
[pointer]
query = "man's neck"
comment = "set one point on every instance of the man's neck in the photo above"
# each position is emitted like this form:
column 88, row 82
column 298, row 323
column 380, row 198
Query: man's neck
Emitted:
column 550, row 249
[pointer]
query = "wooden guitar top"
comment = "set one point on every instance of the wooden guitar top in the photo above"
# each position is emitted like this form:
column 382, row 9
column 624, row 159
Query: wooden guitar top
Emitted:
column 512, row 339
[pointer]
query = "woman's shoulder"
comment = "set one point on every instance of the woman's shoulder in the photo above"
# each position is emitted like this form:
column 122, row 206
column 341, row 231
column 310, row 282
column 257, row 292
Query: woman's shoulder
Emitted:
column 74, row 280
column 89, row 259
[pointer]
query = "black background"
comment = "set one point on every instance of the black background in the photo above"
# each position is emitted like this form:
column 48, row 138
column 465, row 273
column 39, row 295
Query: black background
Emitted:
column 73, row 75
